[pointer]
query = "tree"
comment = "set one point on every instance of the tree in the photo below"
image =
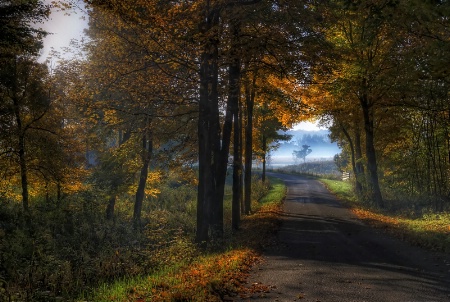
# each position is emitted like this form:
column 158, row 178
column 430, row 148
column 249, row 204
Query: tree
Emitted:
column 193, row 41
column 18, row 34
column 305, row 151
column 33, row 142
column 24, row 100
column 372, row 94
column 131, row 90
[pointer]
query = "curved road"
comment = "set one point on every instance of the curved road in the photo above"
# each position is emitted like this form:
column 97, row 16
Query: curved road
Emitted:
column 324, row 253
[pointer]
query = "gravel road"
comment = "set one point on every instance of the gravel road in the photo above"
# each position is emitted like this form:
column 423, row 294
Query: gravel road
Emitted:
column 324, row 253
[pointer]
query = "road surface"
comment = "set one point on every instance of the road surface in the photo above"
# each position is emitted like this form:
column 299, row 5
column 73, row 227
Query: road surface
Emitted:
column 324, row 253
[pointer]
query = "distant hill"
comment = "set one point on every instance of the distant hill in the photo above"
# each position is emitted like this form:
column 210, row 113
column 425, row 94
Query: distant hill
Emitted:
column 319, row 142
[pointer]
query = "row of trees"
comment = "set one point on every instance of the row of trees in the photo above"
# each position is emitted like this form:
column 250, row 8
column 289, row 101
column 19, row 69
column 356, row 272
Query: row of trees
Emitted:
column 35, row 147
column 230, row 68
column 156, row 86
column 161, row 85
column 387, row 97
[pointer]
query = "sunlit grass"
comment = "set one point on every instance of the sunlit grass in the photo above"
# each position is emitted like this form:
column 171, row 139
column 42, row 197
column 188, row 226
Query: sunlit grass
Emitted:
column 342, row 189
column 210, row 276
column 431, row 231
column 276, row 194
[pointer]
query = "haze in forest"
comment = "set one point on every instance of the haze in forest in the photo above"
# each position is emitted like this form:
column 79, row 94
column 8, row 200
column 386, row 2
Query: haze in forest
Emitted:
column 318, row 140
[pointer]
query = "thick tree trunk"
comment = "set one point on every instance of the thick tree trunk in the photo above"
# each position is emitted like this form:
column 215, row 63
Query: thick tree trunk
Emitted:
column 372, row 166
column 209, row 209
column 204, row 156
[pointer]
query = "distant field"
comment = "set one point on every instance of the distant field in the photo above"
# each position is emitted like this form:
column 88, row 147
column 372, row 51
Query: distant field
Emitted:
column 281, row 161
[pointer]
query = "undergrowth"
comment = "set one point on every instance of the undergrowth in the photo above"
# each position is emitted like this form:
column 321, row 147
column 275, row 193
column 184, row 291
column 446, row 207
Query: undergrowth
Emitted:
column 211, row 276
column 60, row 251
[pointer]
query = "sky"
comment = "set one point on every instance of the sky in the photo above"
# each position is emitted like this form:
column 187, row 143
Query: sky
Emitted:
column 308, row 126
column 63, row 27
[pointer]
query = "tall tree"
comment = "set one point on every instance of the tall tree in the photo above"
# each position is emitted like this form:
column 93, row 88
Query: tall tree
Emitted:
column 19, row 36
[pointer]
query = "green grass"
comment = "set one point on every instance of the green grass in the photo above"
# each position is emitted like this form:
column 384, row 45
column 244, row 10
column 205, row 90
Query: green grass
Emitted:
column 209, row 276
column 431, row 231
column 342, row 189
column 276, row 193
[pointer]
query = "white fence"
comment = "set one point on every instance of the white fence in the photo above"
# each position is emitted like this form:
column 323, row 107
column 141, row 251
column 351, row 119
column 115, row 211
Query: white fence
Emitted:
column 345, row 176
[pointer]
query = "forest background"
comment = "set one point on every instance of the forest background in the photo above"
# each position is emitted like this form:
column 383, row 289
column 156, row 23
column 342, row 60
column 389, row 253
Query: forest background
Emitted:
column 141, row 143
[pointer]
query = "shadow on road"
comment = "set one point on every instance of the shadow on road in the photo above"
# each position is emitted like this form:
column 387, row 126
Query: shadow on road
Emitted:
column 323, row 251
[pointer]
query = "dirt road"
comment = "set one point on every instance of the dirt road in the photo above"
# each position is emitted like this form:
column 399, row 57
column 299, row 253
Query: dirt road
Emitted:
column 324, row 253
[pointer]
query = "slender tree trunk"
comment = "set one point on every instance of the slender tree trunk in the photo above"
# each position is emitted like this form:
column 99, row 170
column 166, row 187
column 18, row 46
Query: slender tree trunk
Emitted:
column 237, row 174
column 241, row 151
column 23, row 172
column 58, row 192
column 358, row 187
column 21, row 147
column 372, row 166
column 250, row 98
column 264, row 149
column 234, row 93
column 110, row 208
column 358, row 158
column 217, row 176
column 356, row 155
column 147, row 149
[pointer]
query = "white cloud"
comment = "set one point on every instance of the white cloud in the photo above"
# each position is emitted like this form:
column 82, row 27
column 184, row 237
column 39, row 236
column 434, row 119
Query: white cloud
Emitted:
column 63, row 27
column 308, row 126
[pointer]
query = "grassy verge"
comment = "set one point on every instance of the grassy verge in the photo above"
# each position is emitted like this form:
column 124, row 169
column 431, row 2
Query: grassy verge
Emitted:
column 276, row 194
column 429, row 231
column 211, row 276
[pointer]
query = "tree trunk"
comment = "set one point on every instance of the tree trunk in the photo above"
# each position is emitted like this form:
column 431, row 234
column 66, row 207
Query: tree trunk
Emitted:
column 372, row 166
column 110, row 208
column 264, row 150
column 21, row 147
column 250, row 98
column 241, row 153
column 359, row 174
column 204, row 156
column 234, row 93
column 58, row 192
column 147, row 149
column 209, row 209
column 358, row 185
column 237, row 174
